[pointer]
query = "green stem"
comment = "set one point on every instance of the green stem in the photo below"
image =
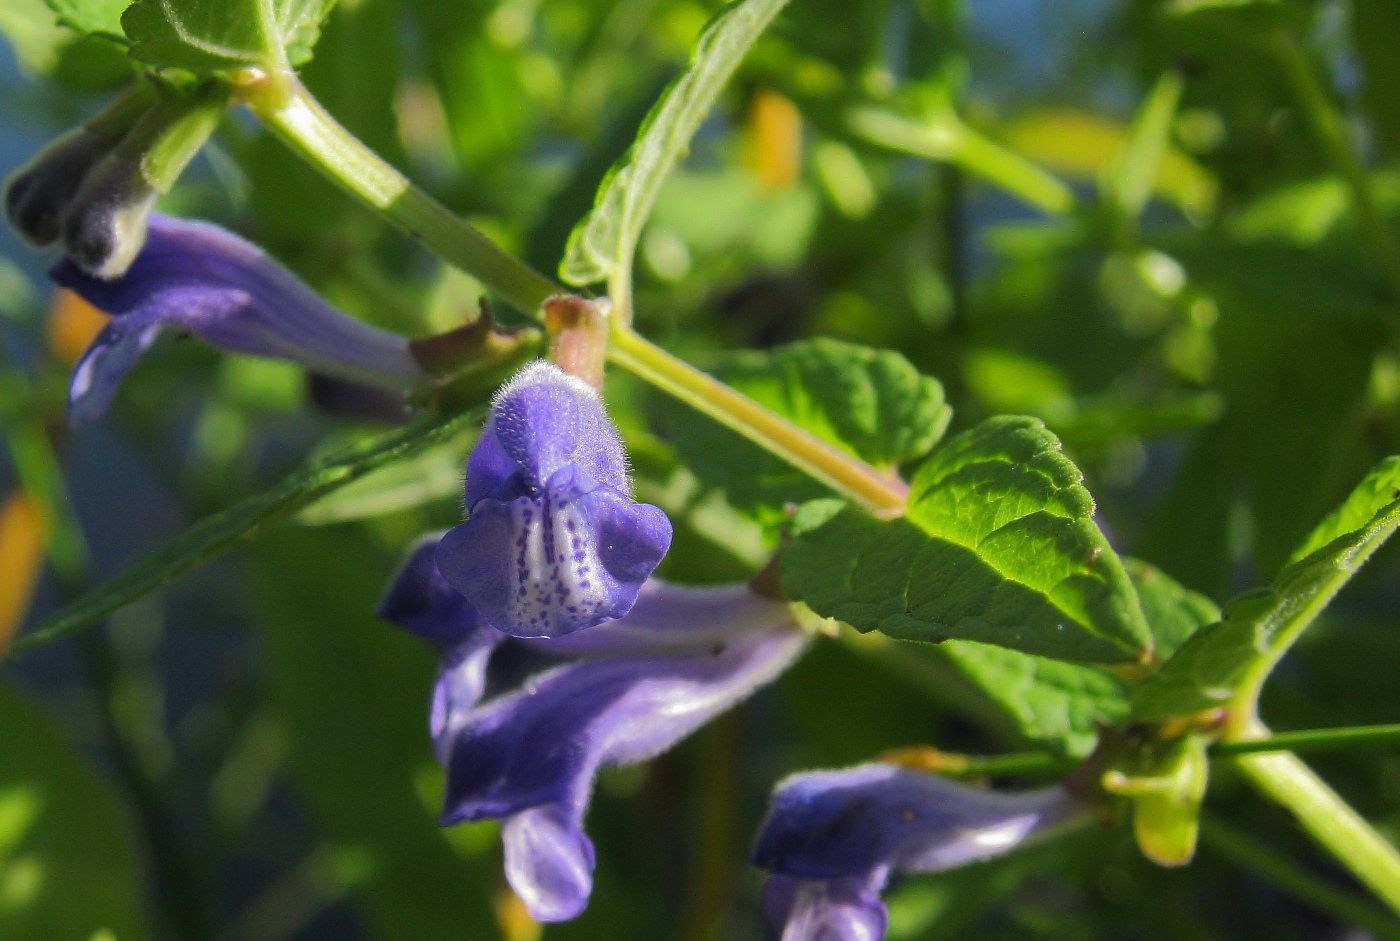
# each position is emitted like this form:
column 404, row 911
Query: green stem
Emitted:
column 714, row 868
column 1306, row 740
column 306, row 127
column 1331, row 136
column 1013, row 173
column 219, row 533
column 1330, row 820
column 879, row 494
column 1314, row 740
column 1245, row 851
column 944, row 137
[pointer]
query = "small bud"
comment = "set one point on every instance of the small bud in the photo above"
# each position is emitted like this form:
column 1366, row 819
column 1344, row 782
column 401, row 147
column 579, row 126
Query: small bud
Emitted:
column 37, row 196
column 578, row 337
column 104, row 225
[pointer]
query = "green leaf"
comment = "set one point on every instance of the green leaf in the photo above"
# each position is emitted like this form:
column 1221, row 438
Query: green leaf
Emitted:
column 1173, row 612
column 206, row 36
column 603, row 243
column 1060, row 704
column 871, row 403
column 942, row 136
column 92, row 17
column 1378, row 490
column 35, row 30
column 227, row 529
column 355, row 693
column 998, row 545
column 1136, row 167
column 68, row 860
column 1224, row 660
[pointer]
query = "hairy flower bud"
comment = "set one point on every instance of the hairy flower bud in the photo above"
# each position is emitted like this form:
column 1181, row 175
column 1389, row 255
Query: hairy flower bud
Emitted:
column 105, row 228
column 104, row 225
column 38, row 195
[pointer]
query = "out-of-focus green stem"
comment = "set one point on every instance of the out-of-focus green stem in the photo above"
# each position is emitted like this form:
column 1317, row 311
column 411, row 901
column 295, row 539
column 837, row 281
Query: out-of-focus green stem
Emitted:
column 1046, row 763
column 944, row 137
column 1331, row 136
column 1284, row 778
column 878, row 493
column 306, row 127
column 714, row 868
column 1136, row 166
column 1245, row 851
column 1314, row 740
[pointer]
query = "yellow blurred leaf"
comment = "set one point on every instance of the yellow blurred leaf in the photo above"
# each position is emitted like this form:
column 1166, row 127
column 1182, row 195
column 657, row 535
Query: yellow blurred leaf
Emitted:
column 73, row 322
column 1087, row 145
column 774, row 131
column 21, row 558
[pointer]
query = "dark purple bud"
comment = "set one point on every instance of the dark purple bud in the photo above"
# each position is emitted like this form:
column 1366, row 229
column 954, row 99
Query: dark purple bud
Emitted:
column 37, row 196
column 39, row 193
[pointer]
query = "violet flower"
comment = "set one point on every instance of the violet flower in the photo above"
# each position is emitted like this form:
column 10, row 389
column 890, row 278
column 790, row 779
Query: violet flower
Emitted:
column 196, row 277
column 832, row 839
column 617, row 694
column 552, row 542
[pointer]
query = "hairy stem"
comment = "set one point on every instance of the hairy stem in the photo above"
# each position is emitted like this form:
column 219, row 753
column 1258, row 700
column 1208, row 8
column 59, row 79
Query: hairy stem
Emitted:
column 306, row 127
column 1036, row 763
column 1285, row 779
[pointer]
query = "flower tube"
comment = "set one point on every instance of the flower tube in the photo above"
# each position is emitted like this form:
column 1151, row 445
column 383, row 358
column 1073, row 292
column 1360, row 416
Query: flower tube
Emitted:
column 196, row 277
column 617, row 694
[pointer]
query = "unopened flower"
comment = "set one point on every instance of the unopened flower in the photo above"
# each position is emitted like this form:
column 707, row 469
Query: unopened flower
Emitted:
column 96, row 186
column 553, row 542
column 617, row 694
column 39, row 194
column 196, row 277
column 832, row 839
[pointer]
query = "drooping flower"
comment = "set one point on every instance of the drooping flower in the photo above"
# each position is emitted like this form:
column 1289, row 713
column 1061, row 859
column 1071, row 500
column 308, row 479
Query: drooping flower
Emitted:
column 832, row 839
column 553, row 542
column 196, row 277
column 617, row 694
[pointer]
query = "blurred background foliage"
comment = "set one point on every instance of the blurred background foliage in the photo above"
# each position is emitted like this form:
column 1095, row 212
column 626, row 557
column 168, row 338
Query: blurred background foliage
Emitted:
column 1163, row 227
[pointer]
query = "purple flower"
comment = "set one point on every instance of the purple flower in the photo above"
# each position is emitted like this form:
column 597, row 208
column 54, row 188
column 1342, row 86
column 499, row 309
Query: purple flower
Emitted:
column 552, row 542
column 833, row 838
column 196, row 277
column 617, row 694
